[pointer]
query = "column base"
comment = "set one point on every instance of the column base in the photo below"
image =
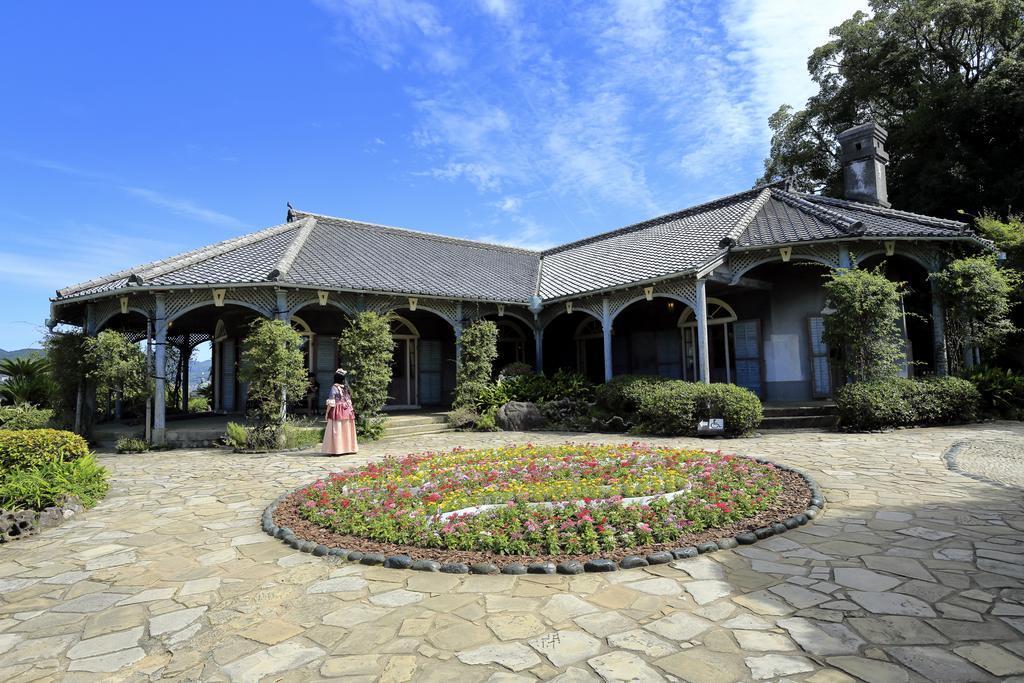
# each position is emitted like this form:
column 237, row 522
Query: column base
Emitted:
column 160, row 437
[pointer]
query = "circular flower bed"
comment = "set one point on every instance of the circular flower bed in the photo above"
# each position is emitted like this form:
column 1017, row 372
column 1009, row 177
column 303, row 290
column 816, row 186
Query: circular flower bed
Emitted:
column 535, row 502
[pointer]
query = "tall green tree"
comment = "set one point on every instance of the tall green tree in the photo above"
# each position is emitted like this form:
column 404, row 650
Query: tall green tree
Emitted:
column 476, row 363
column 273, row 365
column 366, row 349
column 976, row 298
column 944, row 77
column 864, row 325
column 116, row 365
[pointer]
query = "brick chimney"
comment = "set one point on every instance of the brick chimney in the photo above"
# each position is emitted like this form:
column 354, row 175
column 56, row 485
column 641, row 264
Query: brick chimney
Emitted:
column 862, row 151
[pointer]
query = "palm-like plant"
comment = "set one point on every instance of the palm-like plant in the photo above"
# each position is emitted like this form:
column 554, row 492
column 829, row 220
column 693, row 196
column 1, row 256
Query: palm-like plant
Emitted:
column 26, row 380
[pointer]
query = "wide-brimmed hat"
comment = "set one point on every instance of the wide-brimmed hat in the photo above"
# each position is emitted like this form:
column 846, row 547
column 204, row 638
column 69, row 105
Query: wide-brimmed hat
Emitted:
column 341, row 371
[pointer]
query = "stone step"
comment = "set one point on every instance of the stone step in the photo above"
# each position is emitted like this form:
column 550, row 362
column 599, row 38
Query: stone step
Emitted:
column 800, row 422
column 415, row 419
column 407, row 429
column 799, row 410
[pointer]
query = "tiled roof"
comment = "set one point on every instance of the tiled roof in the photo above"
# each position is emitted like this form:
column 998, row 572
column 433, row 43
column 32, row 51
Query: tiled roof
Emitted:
column 362, row 256
column 656, row 248
column 322, row 251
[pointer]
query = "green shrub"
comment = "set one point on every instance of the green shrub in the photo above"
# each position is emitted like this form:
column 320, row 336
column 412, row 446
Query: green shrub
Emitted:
column 29, row 448
column 541, row 389
column 236, row 436
column 198, row 404
column 674, row 407
column 366, row 349
column 479, row 348
column 24, row 416
column 900, row 402
column 132, row 444
column 51, row 482
column 273, row 366
column 302, row 437
column 515, row 369
column 463, row 418
column 621, row 396
column 1001, row 390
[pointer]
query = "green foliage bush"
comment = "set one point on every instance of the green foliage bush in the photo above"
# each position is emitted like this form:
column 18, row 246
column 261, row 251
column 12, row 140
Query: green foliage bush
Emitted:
column 273, row 365
column 24, row 449
column 24, row 416
column 622, row 394
column 198, row 404
column 1002, row 391
column 132, row 444
column 297, row 436
column 479, row 343
column 541, row 389
column 27, row 380
column 66, row 362
column 117, row 364
column 515, row 370
column 236, row 436
column 865, row 326
column 51, row 482
column 674, row 407
column 366, row 348
column 900, row 402
column 463, row 418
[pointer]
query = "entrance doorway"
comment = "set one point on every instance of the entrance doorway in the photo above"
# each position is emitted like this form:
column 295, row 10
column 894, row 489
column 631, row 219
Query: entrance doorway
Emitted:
column 403, row 392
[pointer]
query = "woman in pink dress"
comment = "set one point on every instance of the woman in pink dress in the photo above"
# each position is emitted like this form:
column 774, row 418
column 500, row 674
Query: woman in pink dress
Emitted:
column 340, row 434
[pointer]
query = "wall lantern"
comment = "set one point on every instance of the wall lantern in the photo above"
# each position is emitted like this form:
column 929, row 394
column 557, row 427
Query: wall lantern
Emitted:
column 649, row 293
column 412, row 303
column 568, row 307
column 785, row 253
column 501, row 310
column 218, row 297
column 890, row 247
column 124, row 305
column 321, row 295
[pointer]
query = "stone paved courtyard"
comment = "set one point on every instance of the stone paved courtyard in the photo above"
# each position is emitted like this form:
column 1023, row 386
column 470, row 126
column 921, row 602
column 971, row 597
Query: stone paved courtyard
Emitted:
column 913, row 573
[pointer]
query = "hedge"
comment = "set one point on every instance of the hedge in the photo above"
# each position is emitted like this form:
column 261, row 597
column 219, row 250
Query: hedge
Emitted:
column 656, row 405
column 24, row 416
column 867, row 406
column 29, row 448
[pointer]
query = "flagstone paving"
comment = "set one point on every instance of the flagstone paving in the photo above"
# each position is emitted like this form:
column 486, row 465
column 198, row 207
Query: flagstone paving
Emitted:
column 913, row 573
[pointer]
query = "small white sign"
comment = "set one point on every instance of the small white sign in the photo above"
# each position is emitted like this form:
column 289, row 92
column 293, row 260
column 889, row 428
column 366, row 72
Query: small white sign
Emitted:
column 715, row 425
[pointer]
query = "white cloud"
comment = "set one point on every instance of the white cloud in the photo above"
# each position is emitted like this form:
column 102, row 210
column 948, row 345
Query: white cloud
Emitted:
column 183, row 207
column 774, row 40
column 501, row 9
column 392, row 31
column 178, row 205
column 510, row 204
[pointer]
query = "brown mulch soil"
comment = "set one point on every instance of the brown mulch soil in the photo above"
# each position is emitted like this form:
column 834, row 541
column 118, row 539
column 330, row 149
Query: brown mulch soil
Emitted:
column 794, row 499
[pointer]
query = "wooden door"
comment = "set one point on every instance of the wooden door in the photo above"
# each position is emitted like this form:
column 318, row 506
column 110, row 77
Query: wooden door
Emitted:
column 821, row 371
column 749, row 358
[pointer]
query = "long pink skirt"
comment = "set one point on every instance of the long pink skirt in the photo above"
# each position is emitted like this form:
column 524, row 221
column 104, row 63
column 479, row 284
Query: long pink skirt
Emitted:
column 340, row 437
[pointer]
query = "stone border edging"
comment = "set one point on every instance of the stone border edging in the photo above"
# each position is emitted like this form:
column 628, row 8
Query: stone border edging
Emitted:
column 949, row 458
column 593, row 565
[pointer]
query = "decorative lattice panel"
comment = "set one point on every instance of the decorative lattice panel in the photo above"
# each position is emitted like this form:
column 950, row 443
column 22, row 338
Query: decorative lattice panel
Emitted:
column 105, row 310
column 181, row 301
column 928, row 256
column 740, row 263
column 300, row 298
column 263, row 299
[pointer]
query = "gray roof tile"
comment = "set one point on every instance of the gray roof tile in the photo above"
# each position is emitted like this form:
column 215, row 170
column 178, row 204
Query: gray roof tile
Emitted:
column 314, row 250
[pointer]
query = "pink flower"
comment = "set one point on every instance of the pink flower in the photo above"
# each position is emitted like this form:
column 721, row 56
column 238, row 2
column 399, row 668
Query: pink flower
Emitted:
column 643, row 526
column 310, row 504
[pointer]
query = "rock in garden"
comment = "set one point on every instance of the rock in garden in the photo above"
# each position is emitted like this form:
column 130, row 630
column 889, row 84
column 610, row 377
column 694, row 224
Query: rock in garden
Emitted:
column 763, row 532
column 685, row 553
column 321, row 550
column 660, row 557
column 355, row 556
column 398, row 562
column 519, row 416
column 570, row 567
column 632, row 561
column 541, row 568
column 727, row 543
column 426, row 566
column 599, row 565
column 483, row 568
column 515, row 569
column 455, row 568
column 707, row 547
column 372, row 559
column 746, row 538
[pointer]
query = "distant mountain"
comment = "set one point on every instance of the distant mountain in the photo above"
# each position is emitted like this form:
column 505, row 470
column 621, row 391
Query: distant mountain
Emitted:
column 20, row 353
column 198, row 373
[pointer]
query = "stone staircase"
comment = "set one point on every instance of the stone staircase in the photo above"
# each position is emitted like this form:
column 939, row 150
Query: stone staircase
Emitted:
column 419, row 423
column 809, row 415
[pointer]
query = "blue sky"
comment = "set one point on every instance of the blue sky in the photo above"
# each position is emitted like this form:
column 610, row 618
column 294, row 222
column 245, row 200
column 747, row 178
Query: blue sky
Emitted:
column 132, row 131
